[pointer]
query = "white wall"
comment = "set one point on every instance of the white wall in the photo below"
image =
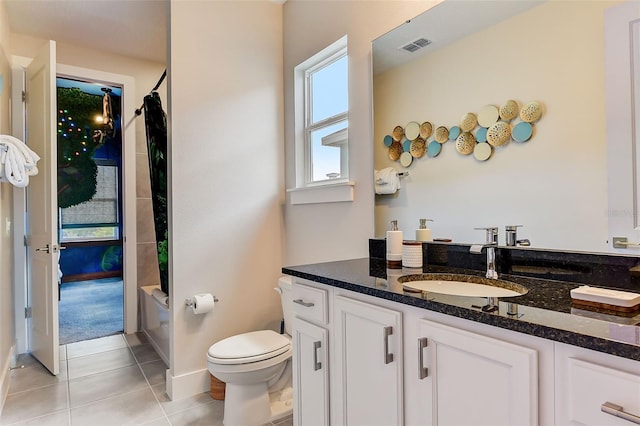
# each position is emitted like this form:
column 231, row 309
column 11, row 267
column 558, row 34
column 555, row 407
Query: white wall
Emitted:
column 323, row 232
column 7, row 334
column 226, row 175
column 555, row 184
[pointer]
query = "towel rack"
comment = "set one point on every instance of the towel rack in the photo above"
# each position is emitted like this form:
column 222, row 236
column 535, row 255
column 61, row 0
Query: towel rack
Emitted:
column 403, row 174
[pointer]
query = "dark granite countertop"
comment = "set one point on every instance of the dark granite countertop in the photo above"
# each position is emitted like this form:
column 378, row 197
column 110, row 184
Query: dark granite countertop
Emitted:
column 545, row 311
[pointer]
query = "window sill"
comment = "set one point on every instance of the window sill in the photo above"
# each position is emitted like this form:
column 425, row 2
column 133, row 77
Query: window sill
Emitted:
column 328, row 193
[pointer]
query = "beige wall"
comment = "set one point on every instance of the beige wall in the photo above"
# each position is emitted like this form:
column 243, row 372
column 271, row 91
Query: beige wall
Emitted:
column 555, row 184
column 322, row 232
column 226, row 175
column 7, row 334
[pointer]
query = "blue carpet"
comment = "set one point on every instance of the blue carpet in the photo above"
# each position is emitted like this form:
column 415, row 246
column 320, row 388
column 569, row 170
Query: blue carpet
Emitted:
column 90, row 309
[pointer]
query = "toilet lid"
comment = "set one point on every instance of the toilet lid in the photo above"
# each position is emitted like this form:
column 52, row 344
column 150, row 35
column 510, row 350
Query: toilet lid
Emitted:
column 253, row 346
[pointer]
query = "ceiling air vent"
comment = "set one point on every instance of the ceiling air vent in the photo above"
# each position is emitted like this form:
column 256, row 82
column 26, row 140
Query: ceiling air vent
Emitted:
column 416, row 44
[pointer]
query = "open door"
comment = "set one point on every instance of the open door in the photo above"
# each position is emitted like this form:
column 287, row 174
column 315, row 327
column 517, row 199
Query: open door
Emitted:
column 42, row 204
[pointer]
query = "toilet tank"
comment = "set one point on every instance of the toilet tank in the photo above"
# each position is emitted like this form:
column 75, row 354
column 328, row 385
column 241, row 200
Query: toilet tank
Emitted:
column 285, row 285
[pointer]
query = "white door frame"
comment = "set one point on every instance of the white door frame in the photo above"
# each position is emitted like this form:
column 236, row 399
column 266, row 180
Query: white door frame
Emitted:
column 129, row 242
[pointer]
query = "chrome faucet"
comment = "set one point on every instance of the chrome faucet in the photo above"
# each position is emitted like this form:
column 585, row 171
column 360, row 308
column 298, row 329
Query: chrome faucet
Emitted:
column 511, row 237
column 491, row 243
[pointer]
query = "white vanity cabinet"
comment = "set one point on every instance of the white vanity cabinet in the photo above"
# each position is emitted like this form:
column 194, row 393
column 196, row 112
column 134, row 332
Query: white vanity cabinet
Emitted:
column 310, row 355
column 464, row 378
column 368, row 354
column 587, row 380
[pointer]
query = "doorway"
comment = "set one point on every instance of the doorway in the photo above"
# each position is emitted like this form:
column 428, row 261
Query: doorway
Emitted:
column 89, row 176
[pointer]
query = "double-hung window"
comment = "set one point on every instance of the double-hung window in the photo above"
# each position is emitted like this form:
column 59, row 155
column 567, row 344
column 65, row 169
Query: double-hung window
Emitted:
column 322, row 118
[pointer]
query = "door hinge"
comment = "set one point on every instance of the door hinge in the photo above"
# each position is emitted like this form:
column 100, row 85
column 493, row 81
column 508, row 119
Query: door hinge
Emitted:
column 27, row 312
column 24, row 96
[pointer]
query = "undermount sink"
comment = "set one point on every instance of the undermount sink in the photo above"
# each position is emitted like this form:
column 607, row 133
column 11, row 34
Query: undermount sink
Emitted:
column 461, row 285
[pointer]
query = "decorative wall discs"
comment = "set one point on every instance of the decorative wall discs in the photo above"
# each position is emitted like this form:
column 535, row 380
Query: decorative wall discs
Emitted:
column 394, row 151
column 442, row 134
column 406, row 146
column 426, row 129
column 398, row 133
column 418, row 147
column 434, row 149
column 488, row 115
column 465, row 143
column 406, row 159
column 481, row 134
column 482, row 151
column 468, row 122
column 388, row 140
column 531, row 112
column 499, row 133
column 509, row 110
column 454, row 132
column 522, row 132
column 412, row 130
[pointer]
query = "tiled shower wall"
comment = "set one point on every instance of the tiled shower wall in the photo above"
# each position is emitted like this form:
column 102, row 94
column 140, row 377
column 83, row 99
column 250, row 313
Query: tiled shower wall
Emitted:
column 148, row 273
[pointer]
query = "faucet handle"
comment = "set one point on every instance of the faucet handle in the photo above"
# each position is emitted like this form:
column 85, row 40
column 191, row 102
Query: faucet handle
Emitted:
column 491, row 234
column 512, row 227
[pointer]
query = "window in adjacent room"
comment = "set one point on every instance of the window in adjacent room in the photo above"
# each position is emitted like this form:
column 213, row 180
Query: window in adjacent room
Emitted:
column 322, row 117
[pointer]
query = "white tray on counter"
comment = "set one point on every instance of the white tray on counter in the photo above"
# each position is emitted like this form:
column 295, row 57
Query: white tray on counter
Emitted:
column 606, row 296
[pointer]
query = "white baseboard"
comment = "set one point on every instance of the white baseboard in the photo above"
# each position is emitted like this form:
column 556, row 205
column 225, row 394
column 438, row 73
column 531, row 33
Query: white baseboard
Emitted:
column 5, row 377
column 186, row 385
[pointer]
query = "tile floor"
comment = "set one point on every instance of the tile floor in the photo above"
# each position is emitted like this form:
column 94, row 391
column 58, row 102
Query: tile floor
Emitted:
column 114, row 380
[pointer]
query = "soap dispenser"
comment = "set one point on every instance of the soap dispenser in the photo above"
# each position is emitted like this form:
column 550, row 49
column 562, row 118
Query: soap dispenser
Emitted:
column 423, row 233
column 394, row 246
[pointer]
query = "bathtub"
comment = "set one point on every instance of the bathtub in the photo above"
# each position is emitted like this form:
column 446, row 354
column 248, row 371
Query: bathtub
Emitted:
column 155, row 321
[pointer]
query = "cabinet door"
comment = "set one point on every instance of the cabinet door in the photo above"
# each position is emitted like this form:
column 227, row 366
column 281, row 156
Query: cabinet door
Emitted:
column 310, row 374
column 469, row 379
column 368, row 364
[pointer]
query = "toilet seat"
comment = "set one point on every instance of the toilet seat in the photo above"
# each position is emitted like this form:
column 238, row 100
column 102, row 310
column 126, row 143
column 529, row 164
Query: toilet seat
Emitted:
column 249, row 347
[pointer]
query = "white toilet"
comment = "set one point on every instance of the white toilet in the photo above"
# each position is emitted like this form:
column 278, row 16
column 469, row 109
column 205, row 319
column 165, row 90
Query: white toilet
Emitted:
column 256, row 368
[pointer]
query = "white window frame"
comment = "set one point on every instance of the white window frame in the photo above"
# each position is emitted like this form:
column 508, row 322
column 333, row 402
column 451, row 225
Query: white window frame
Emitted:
column 329, row 190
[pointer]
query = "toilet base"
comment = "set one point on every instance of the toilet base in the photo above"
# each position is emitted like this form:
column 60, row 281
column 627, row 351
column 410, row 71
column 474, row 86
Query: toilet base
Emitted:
column 252, row 405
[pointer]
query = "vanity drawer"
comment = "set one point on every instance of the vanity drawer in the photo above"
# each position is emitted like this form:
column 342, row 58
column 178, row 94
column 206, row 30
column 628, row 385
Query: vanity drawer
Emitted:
column 590, row 386
column 310, row 303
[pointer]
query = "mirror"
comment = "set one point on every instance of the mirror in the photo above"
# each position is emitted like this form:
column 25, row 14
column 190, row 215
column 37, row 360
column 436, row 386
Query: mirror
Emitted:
column 486, row 53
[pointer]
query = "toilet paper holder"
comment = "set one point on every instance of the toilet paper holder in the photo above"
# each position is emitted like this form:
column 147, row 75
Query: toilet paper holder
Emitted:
column 189, row 301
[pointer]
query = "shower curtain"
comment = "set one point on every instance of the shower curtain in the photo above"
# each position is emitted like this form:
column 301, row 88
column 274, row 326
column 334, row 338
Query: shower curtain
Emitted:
column 156, row 127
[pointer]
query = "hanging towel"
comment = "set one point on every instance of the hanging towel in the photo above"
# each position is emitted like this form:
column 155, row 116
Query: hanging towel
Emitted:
column 18, row 162
column 386, row 181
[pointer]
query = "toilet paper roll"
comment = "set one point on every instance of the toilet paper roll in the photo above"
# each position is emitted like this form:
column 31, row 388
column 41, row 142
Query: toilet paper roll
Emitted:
column 202, row 303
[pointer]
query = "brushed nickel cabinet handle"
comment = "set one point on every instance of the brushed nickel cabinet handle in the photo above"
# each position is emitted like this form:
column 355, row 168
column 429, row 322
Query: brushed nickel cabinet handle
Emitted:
column 386, row 332
column 618, row 411
column 303, row 303
column 316, row 365
column 422, row 370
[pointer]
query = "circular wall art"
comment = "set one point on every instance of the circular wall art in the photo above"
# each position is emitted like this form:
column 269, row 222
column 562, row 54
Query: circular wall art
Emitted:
column 426, row 129
column 522, row 132
column 442, row 134
column 395, row 150
column 488, row 115
column 412, row 130
column 388, row 140
column 406, row 159
column 418, row 147
column 398, row 133
column 481, row 134
column 465, row 143
column 454, row 132
column 433, row 149
column 468, row 122
column 531, row 112
column 499, row 133
column 482, row 151
column 406, row 146
column 509, row 110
